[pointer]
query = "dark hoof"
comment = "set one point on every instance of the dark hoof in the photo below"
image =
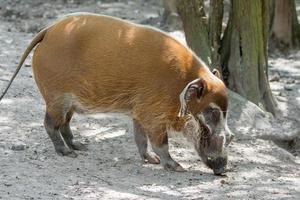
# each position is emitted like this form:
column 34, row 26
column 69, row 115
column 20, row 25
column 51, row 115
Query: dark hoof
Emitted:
column 78, row 146
column 66, row 152
column 174, row 167
column 152, row 159
column 229, row 139
column 219, row 172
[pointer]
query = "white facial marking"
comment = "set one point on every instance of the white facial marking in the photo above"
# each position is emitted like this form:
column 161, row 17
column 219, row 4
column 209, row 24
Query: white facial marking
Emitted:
column 223, row 122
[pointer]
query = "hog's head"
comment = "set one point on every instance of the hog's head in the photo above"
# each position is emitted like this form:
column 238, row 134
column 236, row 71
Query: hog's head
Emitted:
column 204, row 104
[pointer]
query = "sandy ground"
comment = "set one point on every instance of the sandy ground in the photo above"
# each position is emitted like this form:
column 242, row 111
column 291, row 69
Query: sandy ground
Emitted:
column 111, row 168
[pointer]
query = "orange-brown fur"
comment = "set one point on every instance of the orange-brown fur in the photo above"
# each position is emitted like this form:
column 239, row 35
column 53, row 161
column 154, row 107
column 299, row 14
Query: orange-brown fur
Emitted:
column 103, row 64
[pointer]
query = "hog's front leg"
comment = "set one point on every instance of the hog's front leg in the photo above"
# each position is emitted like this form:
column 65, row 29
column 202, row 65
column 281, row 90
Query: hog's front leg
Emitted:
column 228, row 134
column 161, row 147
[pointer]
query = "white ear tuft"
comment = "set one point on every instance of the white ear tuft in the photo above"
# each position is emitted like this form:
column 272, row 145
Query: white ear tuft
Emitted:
column 195, row 86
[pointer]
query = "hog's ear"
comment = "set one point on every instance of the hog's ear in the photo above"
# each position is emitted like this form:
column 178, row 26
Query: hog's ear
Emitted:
column 194, row 89
column 216, row 73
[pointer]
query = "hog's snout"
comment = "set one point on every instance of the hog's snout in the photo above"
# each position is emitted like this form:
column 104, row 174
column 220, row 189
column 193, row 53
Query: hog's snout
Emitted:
column 218, row 165
column 219, row 171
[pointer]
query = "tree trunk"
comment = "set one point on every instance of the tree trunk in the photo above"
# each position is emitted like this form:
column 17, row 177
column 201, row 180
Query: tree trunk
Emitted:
column 285, row 29
column 203, row 33
column 244, row 52
column 215, row 31
column 195, row 27
column 170, row 15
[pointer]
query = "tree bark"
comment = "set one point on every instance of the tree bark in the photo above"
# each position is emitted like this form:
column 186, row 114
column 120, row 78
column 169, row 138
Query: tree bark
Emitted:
column 215, row 31
column 195, row 27
column 285, row 29
column 203, row 33
column 244, row 52
column 170, row 15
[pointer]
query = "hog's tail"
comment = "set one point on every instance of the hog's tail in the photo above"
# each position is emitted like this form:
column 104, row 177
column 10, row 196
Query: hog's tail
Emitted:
column 37, row 39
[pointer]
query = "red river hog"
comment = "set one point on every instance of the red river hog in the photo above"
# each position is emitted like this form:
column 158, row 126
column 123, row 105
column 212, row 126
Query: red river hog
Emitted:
column 90, row 63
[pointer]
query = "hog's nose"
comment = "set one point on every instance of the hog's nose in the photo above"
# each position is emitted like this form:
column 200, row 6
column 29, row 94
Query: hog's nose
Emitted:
column 219, row 171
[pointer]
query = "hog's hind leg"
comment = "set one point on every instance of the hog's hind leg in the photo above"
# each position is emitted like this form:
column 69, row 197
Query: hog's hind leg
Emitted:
column 142, row 144
column 52, row 126
column 68, row 135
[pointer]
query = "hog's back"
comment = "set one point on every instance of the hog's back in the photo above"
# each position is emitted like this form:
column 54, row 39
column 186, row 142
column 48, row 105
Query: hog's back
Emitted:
column 107, row 64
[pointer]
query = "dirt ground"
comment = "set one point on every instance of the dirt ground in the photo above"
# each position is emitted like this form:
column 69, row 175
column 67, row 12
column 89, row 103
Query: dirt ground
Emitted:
column 264, row 157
